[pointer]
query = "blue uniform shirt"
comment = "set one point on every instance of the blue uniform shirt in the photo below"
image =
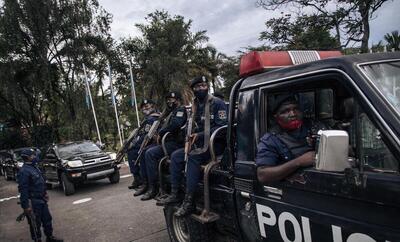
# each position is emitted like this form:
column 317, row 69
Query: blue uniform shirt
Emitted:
column 175, row 121
column 218, row 118
column 149, row 120
column 273, row 150
column 31, row 184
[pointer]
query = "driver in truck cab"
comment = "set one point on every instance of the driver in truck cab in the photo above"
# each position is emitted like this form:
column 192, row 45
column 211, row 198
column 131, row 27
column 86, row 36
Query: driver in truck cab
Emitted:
column 289, row 145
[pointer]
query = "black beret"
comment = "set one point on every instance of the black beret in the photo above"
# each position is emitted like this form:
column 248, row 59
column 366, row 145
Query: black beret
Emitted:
column 283, row 99
column 198, row 79
column 174, row 94
column 146, row 101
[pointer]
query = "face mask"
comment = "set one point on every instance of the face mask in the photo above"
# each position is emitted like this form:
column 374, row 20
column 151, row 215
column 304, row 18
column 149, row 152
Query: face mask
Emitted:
column 146, row 112
column 291, row 125
column 200, row 94
column 171, row 105
column 35, row 161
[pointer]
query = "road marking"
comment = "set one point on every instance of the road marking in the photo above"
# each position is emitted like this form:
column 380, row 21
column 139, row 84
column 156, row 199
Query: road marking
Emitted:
column 8, row 198
column 125, row 176
column 82, row 200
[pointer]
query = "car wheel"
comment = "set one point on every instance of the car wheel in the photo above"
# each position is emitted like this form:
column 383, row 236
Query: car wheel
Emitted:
column 67, row 185
column 183, row 229
column 114, row 178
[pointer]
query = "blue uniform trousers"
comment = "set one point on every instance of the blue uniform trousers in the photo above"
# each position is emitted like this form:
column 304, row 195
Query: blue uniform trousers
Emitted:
column 194, row 172
column 43, row 218
column 153, row 157
column 132, row 155
column 143, row 170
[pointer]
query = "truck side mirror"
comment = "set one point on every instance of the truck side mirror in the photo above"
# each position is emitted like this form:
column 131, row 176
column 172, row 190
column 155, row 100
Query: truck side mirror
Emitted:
column 333, row 150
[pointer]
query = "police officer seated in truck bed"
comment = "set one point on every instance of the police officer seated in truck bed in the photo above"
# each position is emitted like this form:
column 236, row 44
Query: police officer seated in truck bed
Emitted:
column 150, row 114
column 289, row 145
column 210, row 114
column 173, row 124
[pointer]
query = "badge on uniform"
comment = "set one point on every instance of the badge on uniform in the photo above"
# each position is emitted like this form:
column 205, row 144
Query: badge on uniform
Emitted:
column 179, row 114
column 222, row 114
column 147, row 127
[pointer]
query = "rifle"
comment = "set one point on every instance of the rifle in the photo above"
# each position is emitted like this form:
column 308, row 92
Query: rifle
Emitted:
column 128, row 142
column 188, row 139
column 31, row 220
column 150, row 135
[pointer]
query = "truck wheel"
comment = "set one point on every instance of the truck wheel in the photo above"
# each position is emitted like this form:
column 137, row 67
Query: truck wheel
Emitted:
column 114, row 178
column 68, row 186
column 186, row 229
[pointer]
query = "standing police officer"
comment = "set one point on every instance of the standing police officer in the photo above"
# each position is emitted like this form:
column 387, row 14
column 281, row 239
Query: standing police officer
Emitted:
column 173, row 124
column 150, row 115
column 32, row 186
column 209, row 114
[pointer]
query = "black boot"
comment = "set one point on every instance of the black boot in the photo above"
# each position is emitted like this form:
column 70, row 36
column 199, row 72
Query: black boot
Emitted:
column 151, row 193
column 135, row 183
column 141, row 189
column 187, row 206
column 172, row 198
column 53, row 239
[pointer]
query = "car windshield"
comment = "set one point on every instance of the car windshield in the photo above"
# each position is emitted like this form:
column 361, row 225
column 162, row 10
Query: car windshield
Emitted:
column 17, row 154
column 77, row 148
column 386, row 77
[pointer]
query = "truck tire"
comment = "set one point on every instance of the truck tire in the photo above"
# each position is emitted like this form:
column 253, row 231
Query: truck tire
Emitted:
column 67, row 185
column 185, row 229
column 114, row 178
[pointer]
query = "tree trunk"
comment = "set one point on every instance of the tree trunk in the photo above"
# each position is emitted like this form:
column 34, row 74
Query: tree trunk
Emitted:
column 364, row 11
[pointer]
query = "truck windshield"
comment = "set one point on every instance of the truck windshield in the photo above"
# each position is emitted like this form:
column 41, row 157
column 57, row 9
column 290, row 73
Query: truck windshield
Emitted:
column 386, row 77
column 77, row 148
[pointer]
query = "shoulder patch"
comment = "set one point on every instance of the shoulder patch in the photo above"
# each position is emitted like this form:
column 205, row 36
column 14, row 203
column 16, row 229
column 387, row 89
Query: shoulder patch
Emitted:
column 179, row 114
column 222, row 114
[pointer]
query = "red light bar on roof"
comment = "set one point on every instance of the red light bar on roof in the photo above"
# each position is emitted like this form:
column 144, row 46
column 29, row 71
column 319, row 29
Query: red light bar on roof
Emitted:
column 258, row 61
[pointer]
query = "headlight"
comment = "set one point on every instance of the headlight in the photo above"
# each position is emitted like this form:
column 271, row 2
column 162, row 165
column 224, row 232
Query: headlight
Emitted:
column 74, row 163
column 113, row 155
column 20, row 164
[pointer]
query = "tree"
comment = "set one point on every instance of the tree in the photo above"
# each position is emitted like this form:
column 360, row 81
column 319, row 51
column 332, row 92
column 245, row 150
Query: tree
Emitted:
column 350, row 17
column 393, row 40
column 167, row 54
column 305, row 32
column 43, row 45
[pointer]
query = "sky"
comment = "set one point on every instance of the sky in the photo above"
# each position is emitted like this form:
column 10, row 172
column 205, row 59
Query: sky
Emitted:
column 230, row 24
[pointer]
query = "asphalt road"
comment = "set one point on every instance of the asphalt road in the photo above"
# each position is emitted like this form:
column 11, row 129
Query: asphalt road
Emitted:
column 112, row 214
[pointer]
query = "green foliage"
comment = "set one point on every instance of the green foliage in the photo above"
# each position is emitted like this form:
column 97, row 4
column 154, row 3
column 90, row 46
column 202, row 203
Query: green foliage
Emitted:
column 167, row 54
column 43, row 45
column 393, row 40
column 302, row 33
column 349, row 19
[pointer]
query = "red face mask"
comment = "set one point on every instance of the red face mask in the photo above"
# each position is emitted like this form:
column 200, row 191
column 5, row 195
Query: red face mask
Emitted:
column 291, row 125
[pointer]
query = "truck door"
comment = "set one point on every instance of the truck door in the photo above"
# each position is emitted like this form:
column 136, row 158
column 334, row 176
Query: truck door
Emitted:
column 316, row 205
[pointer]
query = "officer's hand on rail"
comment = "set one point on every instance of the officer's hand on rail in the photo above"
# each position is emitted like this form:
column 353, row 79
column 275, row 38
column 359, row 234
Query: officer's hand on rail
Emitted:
column 193, row 138
column 307, row 159
column 158, row 139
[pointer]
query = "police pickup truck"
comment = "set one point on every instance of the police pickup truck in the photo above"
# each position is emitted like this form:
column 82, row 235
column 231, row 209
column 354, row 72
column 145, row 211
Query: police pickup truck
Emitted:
column 72, row 163
column 353, row 191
